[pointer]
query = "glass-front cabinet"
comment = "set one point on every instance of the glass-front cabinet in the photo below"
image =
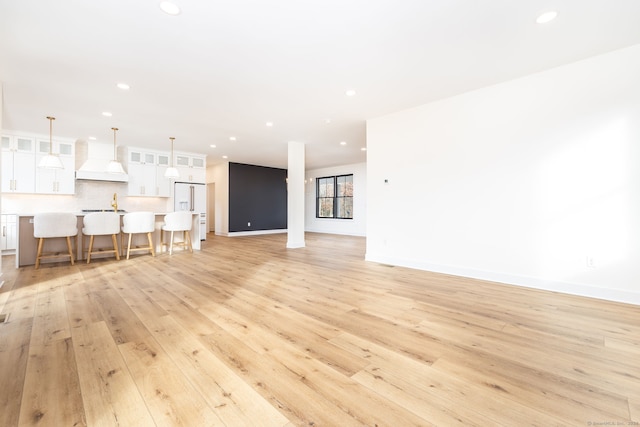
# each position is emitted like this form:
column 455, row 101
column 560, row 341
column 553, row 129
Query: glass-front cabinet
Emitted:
column 146, row 173
column 56, row 181
column 192, row 167
column 21, row 155
column 17, row 164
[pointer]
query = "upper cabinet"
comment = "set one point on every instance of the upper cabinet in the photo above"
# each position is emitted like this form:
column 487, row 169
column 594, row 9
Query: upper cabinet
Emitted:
column 146, row 173
column 22, row 152
column 21, row 155
column 142, row 173
column 56, row 181
column 164, row 184
column 192, row 167
column 18, row 164
column 146, row 169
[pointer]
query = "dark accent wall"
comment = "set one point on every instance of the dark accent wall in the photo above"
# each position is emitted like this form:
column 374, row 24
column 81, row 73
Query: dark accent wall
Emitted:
column 257, row 195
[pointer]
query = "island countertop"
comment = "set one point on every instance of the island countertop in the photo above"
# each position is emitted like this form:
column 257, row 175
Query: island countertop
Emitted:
column 26, row 244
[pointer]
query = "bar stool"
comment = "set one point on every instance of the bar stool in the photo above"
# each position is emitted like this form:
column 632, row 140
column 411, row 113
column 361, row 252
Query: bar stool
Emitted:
column 101, row 224
column 50, row 225
column 139, row 222
column 177, row 221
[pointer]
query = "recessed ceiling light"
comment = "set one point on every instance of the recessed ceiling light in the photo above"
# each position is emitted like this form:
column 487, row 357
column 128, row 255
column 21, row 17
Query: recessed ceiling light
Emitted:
column 213, row 146
column 269, row 124
column 343, row 143
column 170, row 8
column 327, row 121
column 350, row 92
column 123, row 86
column 225, row 157
column 107, row 114
column 363, row 149
column 92, row 138
column 547, row 17
column 232, row 138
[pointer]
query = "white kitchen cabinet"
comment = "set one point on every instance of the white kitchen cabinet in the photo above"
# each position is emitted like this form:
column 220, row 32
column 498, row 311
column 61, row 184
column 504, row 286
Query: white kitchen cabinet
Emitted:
column 163, row 183
column 141, row 157
column 56, row 181
column 8, row 236
column 142, row 173
column 146, row 173
column 142, row 180
column 192, row 168
column 18, row 162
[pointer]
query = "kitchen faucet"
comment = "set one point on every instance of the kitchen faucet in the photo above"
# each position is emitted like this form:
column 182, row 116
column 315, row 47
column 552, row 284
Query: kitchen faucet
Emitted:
column 114, row 202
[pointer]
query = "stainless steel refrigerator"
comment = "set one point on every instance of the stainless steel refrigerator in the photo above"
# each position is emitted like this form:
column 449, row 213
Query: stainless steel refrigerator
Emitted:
column 192, row 197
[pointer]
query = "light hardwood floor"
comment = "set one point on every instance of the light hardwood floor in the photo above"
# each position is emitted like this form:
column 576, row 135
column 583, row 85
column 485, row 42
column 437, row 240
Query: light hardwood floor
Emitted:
column 248, row 333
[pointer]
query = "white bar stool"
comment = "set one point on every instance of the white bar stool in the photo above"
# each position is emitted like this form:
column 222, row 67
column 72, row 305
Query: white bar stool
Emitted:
column 101, row 224
column 50, row 225
column 177, row 221
column 139, row 222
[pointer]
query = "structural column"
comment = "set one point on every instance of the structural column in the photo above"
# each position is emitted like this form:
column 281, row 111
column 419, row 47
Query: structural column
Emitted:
column 295, row 196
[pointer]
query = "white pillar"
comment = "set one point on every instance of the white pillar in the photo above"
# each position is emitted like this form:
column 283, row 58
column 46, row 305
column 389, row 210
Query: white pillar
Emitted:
column 295, row 196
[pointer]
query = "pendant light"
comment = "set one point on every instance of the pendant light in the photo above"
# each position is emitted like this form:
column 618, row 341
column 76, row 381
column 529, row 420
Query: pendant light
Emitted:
column 51, row 161
column 114, row 165
column 171, row 172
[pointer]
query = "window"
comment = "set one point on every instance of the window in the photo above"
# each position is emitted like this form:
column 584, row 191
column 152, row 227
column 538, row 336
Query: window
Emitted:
column 334, row 197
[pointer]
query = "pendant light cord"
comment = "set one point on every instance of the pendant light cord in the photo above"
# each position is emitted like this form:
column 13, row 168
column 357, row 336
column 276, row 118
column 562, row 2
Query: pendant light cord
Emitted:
column 172, row 138
column 51, row 119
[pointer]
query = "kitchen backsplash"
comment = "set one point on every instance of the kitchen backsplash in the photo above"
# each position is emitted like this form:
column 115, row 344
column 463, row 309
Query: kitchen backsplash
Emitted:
column 89, row 195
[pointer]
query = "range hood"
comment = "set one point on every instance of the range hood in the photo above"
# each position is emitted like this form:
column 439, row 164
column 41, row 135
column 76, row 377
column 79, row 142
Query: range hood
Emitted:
column 94, row 157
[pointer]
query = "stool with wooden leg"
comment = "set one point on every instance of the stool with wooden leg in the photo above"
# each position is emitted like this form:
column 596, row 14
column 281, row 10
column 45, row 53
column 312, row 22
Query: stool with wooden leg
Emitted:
column 177, row 221
column 51, row 225
column 139, row 222
column 101, row 224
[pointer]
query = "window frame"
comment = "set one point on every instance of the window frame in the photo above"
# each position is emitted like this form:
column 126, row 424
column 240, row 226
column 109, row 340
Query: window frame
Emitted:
column 336, row 198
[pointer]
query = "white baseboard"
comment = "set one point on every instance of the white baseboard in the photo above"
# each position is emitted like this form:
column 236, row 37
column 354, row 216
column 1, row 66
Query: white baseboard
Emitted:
column 250, row 233
column 617, row 295
column 295, row 244
column 311, row 230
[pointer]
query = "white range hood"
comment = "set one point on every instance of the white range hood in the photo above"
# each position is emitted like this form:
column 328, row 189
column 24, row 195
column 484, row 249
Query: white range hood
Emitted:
column 94, row 157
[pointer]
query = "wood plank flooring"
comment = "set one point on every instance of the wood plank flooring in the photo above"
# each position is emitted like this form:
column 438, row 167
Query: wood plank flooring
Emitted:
column 248, row 333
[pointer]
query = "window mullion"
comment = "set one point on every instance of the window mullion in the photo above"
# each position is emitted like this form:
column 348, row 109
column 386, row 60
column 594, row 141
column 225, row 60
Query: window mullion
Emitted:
column 335, row 197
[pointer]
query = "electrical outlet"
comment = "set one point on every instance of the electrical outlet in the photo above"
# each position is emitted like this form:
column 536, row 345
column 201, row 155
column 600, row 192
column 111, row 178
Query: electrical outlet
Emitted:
column 591, row 262
column 248, row 224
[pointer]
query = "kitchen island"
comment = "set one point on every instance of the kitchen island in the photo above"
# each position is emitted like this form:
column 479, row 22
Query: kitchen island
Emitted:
column 27, row 244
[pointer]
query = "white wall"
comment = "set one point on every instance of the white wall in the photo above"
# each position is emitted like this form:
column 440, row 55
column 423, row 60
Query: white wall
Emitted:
column 1, row 106
column 219, row 175
column 534, row 182
column 355, row 226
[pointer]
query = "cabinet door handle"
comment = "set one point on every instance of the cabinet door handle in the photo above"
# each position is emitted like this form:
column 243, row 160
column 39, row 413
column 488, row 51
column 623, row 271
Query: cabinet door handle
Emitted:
column 4, row 231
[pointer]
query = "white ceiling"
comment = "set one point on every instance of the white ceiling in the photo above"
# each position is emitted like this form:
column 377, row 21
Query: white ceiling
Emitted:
column 224, row 68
